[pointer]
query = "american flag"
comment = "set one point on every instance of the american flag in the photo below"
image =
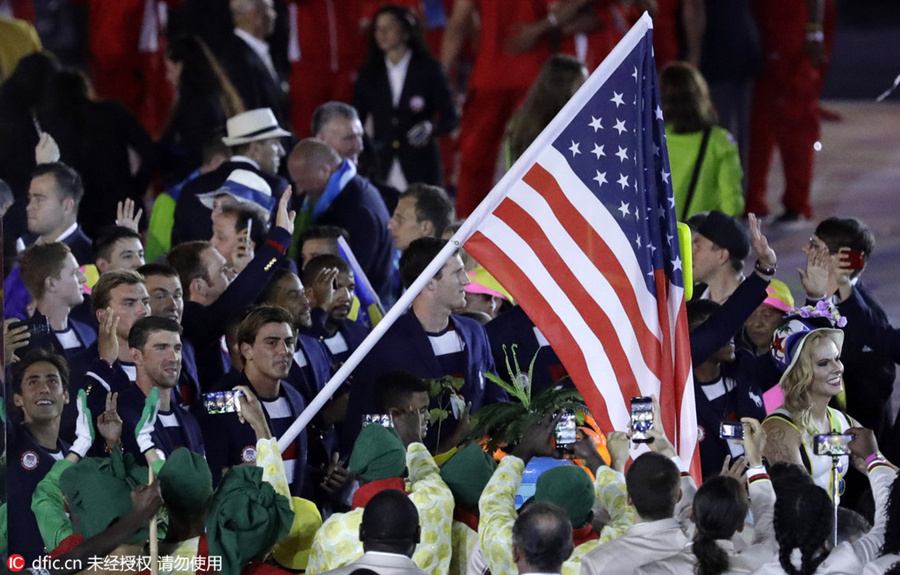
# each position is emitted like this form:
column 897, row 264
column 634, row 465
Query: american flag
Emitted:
column 582, row 232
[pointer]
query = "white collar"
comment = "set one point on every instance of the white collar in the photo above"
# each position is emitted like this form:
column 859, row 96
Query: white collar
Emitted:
column 245, row 159
column 69, row 231
column 403, row 64
column 258, row 46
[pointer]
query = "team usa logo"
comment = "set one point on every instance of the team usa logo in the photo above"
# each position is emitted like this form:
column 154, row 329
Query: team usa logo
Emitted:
column 248, row 454
column 30, row 461
column 417, row 104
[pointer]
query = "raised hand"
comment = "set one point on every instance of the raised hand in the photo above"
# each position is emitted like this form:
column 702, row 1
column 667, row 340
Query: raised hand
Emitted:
column 764, row 253
column 125, row 216
column 818, row 265
column 242, row 253
column 323, row 287
column 284, row 218
column 13, row 339
column 251, row 411
column 109, row 424
column 107, row 340
column 46, row 151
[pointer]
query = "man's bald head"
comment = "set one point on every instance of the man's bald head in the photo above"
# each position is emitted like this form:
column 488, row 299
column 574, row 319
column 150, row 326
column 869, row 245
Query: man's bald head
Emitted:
column 310, row 164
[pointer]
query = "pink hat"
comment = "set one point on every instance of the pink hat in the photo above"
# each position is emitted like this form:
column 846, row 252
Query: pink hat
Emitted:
column 779, row 296
column 484, row 283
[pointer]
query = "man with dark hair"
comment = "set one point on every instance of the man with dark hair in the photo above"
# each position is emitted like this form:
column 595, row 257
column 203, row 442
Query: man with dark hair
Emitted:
column 167, row 300
column 423, row 211
column 868, row 373
column 404, row 396
column 53, row 198
column 267, row 341
column 118, row 248
column 542, row 539
column 338, row 196
column 56, row 283
column 432, row 342
column 320, row 240
column 212, row 294
column 389, row 533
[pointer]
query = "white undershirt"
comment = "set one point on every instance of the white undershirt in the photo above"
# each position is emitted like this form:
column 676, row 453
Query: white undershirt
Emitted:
column 68, row 339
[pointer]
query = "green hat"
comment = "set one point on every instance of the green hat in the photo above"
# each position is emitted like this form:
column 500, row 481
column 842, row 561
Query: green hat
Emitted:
column 467, row 472
column 246, row 518
column 185, row 481
column 98, row 491
column 569, row 487
column 378, row 453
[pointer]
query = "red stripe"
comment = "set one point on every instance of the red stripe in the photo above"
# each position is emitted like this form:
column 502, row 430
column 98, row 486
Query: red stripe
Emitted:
column 526, row 227
column 540, row 310
column 669, row 398
column 603, row 257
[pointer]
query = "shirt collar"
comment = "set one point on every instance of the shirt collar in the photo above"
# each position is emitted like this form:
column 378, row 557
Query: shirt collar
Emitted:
column 258, row 46
column 69, row 231
column 403, row 64
column 245, row 159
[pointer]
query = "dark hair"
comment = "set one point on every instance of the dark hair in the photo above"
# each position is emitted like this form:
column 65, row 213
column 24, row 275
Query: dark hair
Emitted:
column 323, row 233
column 28, row 82
column 417, row 257
column 653, row 485
column 432, row 205
column 244, row 212
column 685, row 98
column 68, row 182
column 850, row 233
column 319, row 263
column 36, row 356
column 156, row 269
column 393, row 389
column 786, row 476
column 720, row 507
column 851, row 525
column 201, row 74
column 107, row 237
column 39, row 262
column 891, row 543
column 187, row 260
column 143, row 327
column 260, row 316
column 547, row 96
column 699, row 310
column 330, row 110
column 390, row 523
column 803, row 520
column 108, row 282
column 415, row 39
column 269, row 291
column 543, row 534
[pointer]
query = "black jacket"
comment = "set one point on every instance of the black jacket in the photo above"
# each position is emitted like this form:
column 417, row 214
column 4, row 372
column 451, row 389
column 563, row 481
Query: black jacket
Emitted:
column 253, row 81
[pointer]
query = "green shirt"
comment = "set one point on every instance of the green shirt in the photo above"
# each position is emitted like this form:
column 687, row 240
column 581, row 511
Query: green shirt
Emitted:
column 719, row 183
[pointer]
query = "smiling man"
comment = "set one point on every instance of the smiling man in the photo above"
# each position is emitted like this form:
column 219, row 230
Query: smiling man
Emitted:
column 267, row 342
column 431, row 342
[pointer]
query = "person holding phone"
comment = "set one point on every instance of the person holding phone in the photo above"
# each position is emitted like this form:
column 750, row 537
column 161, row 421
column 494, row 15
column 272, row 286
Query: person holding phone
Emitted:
column 811, row 354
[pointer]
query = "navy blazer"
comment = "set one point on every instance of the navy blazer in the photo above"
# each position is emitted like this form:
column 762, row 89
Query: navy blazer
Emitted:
column 192, row 219
column 405, row 345
column 425, row 96
column 360, row 210
column 515, row 328
column 82, row 247
column 319, row 366
column 253, row 81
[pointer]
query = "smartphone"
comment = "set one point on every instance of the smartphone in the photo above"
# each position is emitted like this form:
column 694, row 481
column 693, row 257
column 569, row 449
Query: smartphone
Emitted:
column 641, row 419
column 832, row 444
column 566, row 432
column 249, row 229
column 731, row 430
column 222, row 401
column 856, row 259
column 37, row 326
column 384, row 420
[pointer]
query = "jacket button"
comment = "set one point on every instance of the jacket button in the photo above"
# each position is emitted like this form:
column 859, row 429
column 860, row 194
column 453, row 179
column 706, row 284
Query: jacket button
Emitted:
column 396, row 144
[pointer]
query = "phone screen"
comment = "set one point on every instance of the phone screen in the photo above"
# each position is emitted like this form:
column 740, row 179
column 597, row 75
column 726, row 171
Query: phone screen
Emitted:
column 731, row 430
column 222, row 402
column 641, row 419
column 566, row 432
column 384, row 420
column 832, row 444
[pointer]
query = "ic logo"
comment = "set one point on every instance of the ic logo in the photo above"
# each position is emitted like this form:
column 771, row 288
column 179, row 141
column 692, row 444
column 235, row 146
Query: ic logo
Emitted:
column 15, row 563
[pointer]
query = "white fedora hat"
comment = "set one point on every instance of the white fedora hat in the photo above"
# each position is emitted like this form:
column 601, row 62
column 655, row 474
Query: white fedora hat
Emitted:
column 252, row 126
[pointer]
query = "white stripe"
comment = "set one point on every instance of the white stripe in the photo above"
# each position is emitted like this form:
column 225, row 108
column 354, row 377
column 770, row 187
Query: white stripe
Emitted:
column 278, row 409
column 587, row 274
column 100, row 379
column 130, row 371
column 336, row 344
column 289, row 465
column 591, row 348
column 300, row 358
column 542, row 341
column 446, row 343
column 168, row 420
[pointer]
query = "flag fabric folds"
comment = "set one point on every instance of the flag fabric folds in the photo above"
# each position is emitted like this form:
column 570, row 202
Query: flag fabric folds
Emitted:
column 582, row 232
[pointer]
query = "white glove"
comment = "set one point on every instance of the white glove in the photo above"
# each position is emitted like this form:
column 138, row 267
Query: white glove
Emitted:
column 146, row 424
column 84, row 427
column 420, row 134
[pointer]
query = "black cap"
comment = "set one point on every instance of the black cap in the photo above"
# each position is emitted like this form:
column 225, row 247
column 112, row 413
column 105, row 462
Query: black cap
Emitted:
column 727, row 232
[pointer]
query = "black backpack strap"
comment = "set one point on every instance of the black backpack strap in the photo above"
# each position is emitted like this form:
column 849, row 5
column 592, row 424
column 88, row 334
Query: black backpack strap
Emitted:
column 704, row 143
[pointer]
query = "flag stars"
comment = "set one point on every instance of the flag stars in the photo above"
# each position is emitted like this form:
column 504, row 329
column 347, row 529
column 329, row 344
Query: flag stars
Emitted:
column 574, row 148
column 617, row 99
column 622, row 154
column 596, row 124
column 676, row 263
column 665, row 176
column 659, row 115
column 655, row 150
column 600, row 178
column 671, row 201
column 598, row 151
column 620, row 126
column 637, row 240
column 635, row 74
column 624, row 209
column 623, row 181
column 669, row 238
